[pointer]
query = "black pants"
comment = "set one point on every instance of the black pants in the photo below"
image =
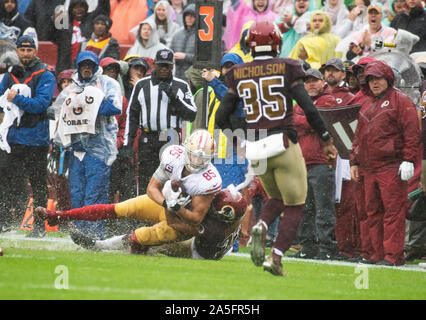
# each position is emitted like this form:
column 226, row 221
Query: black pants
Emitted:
column 122, row 179
column 22, row 164
column 148, row 157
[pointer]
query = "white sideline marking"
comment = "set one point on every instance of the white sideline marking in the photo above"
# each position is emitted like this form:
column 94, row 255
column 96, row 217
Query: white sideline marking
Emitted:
column 14, row 236
column 407, row 267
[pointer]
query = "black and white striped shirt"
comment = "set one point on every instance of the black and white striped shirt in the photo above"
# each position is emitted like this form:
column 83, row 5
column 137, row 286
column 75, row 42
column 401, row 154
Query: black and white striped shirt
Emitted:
column 151, row 109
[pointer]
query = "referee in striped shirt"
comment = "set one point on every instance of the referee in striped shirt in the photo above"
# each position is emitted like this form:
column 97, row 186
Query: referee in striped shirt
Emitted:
column 158, row 102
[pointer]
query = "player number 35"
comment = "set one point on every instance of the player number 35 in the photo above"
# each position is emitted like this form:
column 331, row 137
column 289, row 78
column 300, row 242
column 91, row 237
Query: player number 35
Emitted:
column 263, row 101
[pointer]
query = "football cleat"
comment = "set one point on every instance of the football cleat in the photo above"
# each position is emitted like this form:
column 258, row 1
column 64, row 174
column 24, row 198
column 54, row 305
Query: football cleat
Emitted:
column 47, row 215
column 82, row 240
column 258, row 236
column 5, row 228
column 274, row 267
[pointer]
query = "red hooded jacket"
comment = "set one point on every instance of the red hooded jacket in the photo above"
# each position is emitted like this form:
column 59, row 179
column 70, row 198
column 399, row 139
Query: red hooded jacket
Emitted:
column 310, row 142
column 361, row 95
column 341, row 93
column 388, row 128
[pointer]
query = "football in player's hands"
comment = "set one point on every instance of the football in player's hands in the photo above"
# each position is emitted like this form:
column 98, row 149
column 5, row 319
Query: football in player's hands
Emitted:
column 183, row 198
column 176, row 184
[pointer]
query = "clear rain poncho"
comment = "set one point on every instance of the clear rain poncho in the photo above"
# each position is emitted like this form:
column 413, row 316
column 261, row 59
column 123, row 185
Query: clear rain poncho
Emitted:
column 102, row 144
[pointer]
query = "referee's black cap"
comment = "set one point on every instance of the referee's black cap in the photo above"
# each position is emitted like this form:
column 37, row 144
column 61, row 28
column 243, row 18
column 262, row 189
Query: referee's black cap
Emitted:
column 164, row 56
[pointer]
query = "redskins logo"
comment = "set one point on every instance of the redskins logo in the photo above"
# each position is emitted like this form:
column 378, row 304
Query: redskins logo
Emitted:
column 228, row 212
column 385, row 104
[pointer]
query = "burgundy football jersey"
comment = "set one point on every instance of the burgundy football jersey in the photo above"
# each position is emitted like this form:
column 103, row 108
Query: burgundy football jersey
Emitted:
column 217, row 235
column 263, row 85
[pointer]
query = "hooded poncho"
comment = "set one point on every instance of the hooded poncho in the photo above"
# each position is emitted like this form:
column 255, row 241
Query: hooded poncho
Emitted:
column 324, row 32
column 240, row 14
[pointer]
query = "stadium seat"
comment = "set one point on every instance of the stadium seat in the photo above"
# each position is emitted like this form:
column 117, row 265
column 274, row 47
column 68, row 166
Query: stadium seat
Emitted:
column 48, row 52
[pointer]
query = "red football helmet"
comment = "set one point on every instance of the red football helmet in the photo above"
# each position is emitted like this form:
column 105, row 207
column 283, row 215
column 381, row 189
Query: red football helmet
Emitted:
column 229, row 207
column 264, row 36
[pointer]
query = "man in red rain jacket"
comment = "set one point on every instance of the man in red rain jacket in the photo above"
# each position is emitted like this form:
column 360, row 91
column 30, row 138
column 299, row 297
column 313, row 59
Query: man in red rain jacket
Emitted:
column 385, row 146
column 334, row 75
column 347, row 224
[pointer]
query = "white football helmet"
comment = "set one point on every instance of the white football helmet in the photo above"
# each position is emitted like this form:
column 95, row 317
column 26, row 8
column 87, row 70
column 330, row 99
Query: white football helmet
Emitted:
column 199, row 150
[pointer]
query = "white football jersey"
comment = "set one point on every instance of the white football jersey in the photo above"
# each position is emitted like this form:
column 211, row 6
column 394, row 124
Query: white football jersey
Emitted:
column 207, row 181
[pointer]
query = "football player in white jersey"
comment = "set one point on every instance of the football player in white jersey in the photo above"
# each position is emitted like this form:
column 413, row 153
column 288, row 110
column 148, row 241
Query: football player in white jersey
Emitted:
column 218, row 231
column 179, row 196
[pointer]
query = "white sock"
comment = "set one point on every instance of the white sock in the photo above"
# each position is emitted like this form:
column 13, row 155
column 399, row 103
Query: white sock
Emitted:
column 278, row 252
column 114, row 243
column 265, row 225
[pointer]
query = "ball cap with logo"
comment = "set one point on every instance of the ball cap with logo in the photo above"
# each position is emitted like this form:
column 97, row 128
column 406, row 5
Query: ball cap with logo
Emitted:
column 313, row 73
column 334, row 62
column 164, row 56
column 25, row 42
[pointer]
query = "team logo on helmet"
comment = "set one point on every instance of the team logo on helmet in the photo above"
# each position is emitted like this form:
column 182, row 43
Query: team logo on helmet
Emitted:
column 228, row 207
column 228, row 212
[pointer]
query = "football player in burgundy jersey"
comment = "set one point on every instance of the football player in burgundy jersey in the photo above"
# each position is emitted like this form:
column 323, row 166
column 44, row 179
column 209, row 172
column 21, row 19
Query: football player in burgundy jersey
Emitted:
column 266, row 87
column 175, row 215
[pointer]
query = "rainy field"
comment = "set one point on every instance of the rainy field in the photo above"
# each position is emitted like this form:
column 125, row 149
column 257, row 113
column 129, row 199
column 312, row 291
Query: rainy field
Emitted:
column 55, row 268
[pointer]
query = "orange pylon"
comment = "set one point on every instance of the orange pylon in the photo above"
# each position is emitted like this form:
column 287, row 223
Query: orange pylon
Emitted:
column 50, row 206
column 27, row 222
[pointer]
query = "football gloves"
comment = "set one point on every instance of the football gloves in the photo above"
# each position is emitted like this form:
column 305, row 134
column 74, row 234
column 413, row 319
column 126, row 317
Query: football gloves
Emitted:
column 172, row 201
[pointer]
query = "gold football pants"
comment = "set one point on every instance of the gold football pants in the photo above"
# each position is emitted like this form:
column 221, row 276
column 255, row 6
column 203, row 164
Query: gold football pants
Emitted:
column 286, row 177
column 144, row 209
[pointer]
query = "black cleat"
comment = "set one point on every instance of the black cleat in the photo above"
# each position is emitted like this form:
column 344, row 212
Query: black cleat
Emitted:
column 415, row 254
column 5, row 228
column 303, row 254
column 385, row 263
column 330, row 256
column 82, row 240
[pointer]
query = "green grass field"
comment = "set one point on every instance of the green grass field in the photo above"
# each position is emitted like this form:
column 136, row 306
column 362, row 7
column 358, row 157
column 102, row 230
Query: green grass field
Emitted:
column 56, row 269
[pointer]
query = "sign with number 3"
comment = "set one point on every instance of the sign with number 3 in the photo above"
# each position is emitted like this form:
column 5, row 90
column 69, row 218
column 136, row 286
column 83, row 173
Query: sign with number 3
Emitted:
column 209, row 33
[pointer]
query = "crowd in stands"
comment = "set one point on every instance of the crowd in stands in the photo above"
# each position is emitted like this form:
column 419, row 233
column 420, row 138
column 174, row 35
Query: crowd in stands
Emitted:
column 335, row 40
